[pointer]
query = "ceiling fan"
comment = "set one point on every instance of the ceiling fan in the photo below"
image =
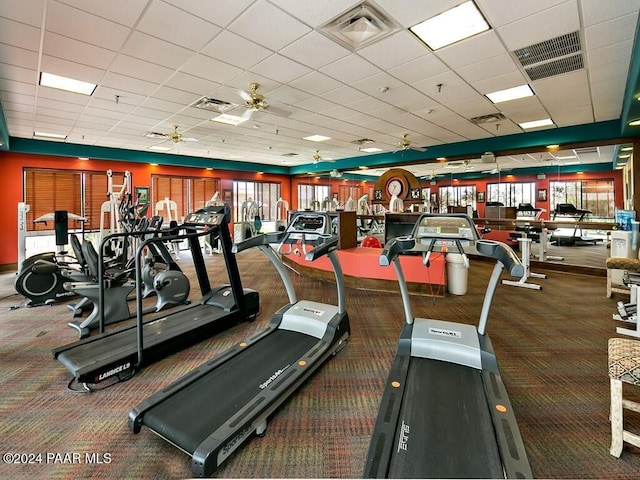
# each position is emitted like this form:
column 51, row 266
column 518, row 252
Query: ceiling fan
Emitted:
column 317, row 157
column 175, row 136
column 255, row 102
column 406, row 144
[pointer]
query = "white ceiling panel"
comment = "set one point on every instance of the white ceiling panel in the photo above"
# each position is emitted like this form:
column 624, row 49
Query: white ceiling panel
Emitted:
column 152, row 59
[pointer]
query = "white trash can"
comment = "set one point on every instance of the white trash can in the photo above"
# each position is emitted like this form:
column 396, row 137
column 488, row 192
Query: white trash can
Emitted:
column 457, row 274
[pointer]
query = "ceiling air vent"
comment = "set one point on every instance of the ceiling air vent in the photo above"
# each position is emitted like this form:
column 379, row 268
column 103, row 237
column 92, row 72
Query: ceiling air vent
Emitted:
column 492, row 117
column 214, row 105
column 290, row 154
column 360, row 26
column 552, row 57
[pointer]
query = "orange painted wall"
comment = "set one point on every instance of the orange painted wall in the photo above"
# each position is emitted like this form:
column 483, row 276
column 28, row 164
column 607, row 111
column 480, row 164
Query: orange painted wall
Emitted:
column 11, row 188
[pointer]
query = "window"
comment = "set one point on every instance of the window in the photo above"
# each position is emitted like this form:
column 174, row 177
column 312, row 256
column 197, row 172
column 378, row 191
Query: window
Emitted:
column 346, row 191
column 597, row 196
column 512, row 194
column 312, row 196
column 189, row 193
column 265, row 194
column 77, row 192
column 460, row 196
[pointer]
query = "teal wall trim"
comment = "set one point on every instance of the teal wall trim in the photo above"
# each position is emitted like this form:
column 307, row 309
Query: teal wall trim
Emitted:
column 42, row 147
column 591, row 132
column 4, row 131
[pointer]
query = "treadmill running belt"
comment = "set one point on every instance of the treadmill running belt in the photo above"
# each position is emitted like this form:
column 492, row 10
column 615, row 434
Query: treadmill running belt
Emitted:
column 189, row 416
column 444, row 428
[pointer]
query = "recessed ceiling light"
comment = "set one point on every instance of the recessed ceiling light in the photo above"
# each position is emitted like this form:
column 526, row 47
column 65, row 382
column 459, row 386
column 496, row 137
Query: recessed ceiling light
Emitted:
column 51, row 136
column 553, row 147
column 626, row 155
column 316, row 138
column 536, row 123
column 451, row 26
column 67, row 84
column 83, row 158
column 626, row 149
column 514, row 93
column 371, row 149
column 634, row 123
column 159, row 148
column 153, row 164
column 565, row 157
column 229, row 119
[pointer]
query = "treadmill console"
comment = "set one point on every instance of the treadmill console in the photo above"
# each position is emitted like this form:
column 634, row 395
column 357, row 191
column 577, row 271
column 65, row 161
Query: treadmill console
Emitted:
column 445, row 230
column 208, row 216
column 308, row 225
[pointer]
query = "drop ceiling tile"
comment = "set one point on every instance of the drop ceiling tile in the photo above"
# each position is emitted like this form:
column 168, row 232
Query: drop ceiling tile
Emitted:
column 124, row 12
column 79, row 52
column 316, row 83
column 210, row 69
column 618, row 53
column 553, row 22
column 60, row 103
column 412, row 12
column 30, row 12
column 105, row 97
column 500, row 82
column 316, row 13
column 396, row 49
column 135, row 67
column 350, row 69
column 122, row 84
column 472, row 50
column 154, row 50
column 24, row 88
column 314, row 50
column 174, row 25
column 280, row 69
column 280, row 30
column 419, row 69
column 19, row 57
column 218, row 12
column 503, row 12
column 489, row 68
column 594, row 11
column 83, row 26
column 19, row 35
column 60, row 66
column 18, row 74
column 611, row 32
column 236, row 50
column 190, row 83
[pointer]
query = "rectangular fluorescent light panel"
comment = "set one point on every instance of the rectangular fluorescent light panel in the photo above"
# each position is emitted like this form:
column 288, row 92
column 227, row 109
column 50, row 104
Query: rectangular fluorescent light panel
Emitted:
column 371, row 149
column 67, row 84
column 52, row 136
column 317, row 138
column 229, row 119
column 536, row 123
column 451, row 26
column 510, row 94
column 158, row 148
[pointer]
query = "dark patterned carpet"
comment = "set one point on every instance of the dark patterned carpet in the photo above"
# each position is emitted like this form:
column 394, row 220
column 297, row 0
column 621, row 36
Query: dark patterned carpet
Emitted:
column 551, row 345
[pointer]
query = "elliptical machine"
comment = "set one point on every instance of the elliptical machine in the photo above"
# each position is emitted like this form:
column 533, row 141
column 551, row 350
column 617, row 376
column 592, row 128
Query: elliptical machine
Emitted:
column 42, row 277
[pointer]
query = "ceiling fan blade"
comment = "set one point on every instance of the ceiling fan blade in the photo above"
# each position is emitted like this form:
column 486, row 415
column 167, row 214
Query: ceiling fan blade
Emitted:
column 189, row 139
column 245, row 96
column 419, row 149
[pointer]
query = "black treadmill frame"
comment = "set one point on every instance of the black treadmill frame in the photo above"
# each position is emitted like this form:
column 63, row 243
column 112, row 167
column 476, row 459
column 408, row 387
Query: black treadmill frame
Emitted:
column 241, row 310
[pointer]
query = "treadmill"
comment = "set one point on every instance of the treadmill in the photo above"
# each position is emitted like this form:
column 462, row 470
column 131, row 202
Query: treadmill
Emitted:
column 117, row 355
column 445, row 412
column 212, row 410
column 562, row 237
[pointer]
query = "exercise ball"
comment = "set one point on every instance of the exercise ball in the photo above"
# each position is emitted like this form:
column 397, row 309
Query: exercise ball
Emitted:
column 370, row 242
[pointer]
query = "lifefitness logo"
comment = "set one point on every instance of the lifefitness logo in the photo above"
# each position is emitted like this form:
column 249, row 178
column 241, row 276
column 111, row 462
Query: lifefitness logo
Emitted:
column 276, row 374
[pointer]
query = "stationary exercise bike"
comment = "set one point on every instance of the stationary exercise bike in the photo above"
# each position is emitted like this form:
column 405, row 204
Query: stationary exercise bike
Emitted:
column 42, row 277
column 161, row 277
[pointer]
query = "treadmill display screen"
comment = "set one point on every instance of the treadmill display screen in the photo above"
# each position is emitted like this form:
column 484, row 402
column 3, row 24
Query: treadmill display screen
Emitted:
column 446, row 227
column 308, row 223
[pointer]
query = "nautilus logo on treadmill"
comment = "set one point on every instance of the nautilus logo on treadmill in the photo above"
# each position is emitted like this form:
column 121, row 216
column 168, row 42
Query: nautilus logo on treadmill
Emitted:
column 445, row 333
column 403, row 437
column 275, row 375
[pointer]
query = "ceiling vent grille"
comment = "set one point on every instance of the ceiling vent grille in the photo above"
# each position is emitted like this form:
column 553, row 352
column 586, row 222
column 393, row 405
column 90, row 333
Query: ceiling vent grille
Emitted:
column 214, row 105
column 360, row 26
column 556, row 67
column 586, row 150
column 290, row 154
column 492, row 117
column 362, row 141
column 552, row 57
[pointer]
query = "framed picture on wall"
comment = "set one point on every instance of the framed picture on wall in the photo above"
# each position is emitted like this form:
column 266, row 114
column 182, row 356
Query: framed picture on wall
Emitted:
column 542, row 195
column 480, row 197
column 142, row 194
